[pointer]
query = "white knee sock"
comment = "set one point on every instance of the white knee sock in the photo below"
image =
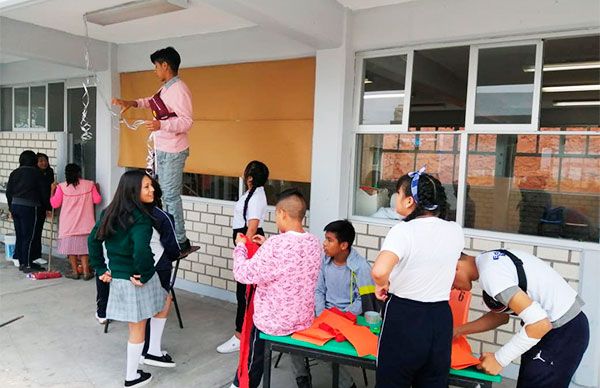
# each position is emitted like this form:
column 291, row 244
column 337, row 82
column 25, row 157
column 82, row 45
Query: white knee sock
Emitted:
column 157, row 325
column 134, row 351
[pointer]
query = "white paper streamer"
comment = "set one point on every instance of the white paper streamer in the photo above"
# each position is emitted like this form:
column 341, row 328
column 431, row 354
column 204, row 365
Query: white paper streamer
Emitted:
column 84, row 124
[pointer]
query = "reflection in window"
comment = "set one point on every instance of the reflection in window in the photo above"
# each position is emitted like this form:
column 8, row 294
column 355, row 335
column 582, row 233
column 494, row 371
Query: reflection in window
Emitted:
column 571, row 83
column 383, row 90
column 21, row 108
column 439, row 89
column 38, row 107
column 274, row 187
column 6, row 109
column 535, row 184
column 385, row 158
column 504, row 93
column 211, row 186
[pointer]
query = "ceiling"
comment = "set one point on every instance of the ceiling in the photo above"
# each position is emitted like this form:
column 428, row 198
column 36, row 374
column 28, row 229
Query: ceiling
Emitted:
column 5, row 58
column 67, row 16
column 364, row 4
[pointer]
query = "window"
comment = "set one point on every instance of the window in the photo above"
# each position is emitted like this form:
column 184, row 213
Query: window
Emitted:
column 511, row 130
column 274, row 187
column 211, row 186
column 37, row 108
column 6, row 109
column 383, row 90
column 56, row 107
column 545, row 185
column 21, row 107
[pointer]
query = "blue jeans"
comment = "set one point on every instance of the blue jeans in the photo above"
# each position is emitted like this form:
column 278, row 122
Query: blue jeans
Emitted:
column 169, row 168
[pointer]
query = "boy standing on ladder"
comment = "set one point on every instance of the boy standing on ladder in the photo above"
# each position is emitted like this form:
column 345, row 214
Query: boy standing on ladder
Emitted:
column 172, row 110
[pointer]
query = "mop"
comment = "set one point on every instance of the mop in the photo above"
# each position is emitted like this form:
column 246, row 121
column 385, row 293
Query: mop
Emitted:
column 47, row 274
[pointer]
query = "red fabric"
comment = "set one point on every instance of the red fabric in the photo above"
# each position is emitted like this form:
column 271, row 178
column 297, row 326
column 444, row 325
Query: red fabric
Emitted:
column 243, row 375
column 348, row 315
column 46, row 275
column 339, row 337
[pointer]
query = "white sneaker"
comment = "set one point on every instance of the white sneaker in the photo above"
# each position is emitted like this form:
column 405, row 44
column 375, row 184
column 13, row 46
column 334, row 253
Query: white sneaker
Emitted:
column 232, row 345
column 101, row 321
column 15, row 262
column 233, row 386
column 40, row 261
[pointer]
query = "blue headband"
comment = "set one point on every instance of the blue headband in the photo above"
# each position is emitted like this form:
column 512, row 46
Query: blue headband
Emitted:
column 414, row 187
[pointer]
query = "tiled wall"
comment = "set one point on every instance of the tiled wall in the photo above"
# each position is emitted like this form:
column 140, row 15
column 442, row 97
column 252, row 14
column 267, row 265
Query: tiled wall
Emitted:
column 11, row 146
column 208, row 225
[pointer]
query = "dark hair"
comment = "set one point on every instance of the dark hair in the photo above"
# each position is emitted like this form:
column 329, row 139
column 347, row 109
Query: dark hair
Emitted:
column 119, row 213
column 28, row 158
column 343, row 230
column 157, row 193
column 431, row 193
column 72, row 174
column 42, row 155
column 259, row 173
column 168, row 55
column 293, row 193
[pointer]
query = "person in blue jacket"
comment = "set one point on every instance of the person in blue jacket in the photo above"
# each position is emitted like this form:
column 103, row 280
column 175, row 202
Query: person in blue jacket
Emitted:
column 345, row 283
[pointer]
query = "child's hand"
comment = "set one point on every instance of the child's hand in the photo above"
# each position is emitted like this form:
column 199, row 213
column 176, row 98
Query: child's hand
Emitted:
column 489, row 364
column 240, row 238
column 258, row 239
column 105, row 277
column 135, row 279
column 381, row 292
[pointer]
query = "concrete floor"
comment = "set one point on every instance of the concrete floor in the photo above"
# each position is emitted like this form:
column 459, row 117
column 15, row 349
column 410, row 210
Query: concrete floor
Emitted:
column 58, row 342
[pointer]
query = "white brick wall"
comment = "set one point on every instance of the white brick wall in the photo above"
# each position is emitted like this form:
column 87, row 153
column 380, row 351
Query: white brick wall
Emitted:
column 11, row 146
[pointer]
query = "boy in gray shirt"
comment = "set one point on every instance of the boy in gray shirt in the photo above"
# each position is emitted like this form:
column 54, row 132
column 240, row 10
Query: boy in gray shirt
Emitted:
column 344, row 282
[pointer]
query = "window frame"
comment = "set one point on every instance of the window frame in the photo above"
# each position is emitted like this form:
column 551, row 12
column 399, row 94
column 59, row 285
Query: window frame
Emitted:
column 470, row 128
column 533, row 126
column 29, row 128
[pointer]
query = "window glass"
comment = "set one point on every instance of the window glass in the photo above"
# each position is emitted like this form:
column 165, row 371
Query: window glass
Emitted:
column 21, row 108
column 385, row 158
column 274, row 187
column 439, row 89
column 38, row 107
column 545, row 185
column 6, row 109
column 504, row 93
column 56, row 107
column 383, row 90
column 211, row 186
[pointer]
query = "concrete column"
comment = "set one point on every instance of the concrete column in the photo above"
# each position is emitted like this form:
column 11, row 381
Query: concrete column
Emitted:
column 332, row 134
column 107, row 134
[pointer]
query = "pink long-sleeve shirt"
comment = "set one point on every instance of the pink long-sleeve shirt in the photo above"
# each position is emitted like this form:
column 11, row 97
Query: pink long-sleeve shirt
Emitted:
column 173, row 133
column 77, row 207
column 285, row 270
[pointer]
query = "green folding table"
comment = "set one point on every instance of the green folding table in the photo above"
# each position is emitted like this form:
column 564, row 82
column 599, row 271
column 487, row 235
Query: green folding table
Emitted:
column 344, row 353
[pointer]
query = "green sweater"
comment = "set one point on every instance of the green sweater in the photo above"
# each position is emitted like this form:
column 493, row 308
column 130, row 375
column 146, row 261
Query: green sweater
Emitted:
column 128, row 250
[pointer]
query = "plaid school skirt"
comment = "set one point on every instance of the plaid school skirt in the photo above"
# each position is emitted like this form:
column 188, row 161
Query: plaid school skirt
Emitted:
column 128, row 303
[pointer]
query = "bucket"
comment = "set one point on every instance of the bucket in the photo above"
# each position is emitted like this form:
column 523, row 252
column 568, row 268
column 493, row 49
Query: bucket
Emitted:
column 9, row 246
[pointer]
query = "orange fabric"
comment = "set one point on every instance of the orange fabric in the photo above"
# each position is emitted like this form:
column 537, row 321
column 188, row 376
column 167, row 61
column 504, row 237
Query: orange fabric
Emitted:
column 462, row 355
column 360, row 337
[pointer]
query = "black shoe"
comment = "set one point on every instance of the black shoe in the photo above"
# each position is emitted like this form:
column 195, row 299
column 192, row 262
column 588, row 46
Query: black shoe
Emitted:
column 26, row 269
column 187, row 248
column 164, row 361
column 304, row 382
column 144, row 379
column 37, row 267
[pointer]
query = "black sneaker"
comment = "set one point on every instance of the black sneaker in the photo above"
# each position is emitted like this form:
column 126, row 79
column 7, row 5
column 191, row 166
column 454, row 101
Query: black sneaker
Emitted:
column 304, row 382
column 37, row 267
column 144, row 379
column 26, row 269
column 164, row 361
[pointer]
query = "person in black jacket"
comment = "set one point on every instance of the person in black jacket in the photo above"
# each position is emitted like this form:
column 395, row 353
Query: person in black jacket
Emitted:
column 28, row 200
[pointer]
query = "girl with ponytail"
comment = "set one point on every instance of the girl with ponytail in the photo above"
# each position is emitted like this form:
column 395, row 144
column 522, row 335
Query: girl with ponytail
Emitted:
column 248, row 216
column 414, row 273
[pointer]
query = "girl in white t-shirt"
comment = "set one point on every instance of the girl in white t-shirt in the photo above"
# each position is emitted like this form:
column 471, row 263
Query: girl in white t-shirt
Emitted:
column 413, row 274
column 248, row 216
